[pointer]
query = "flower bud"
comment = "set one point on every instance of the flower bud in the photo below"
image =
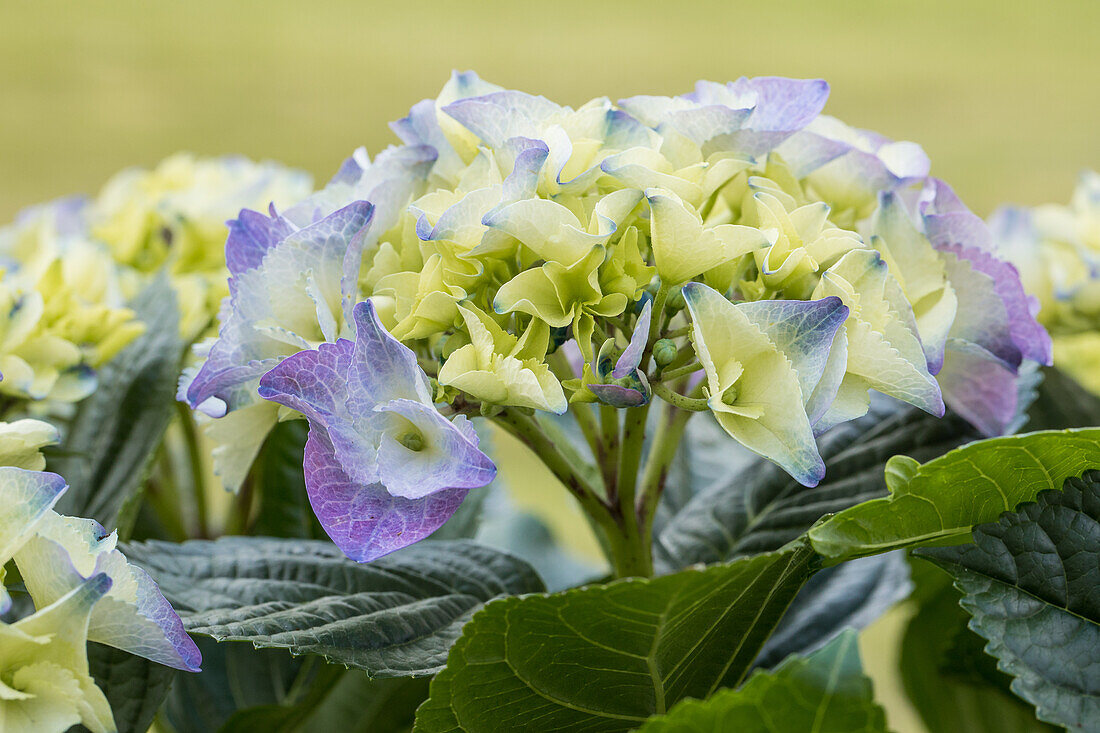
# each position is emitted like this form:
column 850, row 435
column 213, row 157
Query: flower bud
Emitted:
column 664, row 352
column 675, row 300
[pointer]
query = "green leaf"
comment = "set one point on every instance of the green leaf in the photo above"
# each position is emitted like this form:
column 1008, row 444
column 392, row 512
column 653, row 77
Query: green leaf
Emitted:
column 1062, row 403
column 396, row 616
column 763, row 508
column 236, row 676
column 284, row 506
column 134, row 687
column 952, row 683
column 846, row 596
column 1031, row 582
column 606, row 657
column 117, row 429
column 939, row 502
column 825, row 692
column 352, row 704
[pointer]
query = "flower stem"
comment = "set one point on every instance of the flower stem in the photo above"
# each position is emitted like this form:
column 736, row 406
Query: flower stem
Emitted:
column 609, row 458
column 668, row 375
column 681, row 402
column 666, row 442
column 198, row 469
column 528, row 431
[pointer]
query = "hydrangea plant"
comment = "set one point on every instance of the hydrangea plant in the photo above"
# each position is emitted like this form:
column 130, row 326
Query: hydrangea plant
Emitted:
column 612, row 269
column 766, row 353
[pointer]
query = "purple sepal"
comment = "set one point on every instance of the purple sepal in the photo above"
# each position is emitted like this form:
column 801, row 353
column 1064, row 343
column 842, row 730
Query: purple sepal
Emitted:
column 632, row 355
column 979, row 387
column 381, row 449
column 1030, row 339
column 364, row 520
column 251, row 235
column 330, row 250
column 619, row 396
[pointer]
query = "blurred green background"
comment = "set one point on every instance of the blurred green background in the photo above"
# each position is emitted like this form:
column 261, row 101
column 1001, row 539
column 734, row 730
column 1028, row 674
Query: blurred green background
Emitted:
column 1004, row 95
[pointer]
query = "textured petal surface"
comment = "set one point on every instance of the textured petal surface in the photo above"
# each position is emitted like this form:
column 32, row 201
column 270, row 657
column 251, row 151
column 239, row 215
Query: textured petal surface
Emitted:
column 766, row 413
column 364, row 520
column 300, row 286
column 133, row 616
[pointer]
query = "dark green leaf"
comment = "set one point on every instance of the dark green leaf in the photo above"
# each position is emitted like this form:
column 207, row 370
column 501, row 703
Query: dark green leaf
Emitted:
column 284, row 506
column 354, row 703
column 847, row 596
column 605, row 658
column 134, row 687
column 825, row 692
column 236, row 676
column 1062, row 403
column 116, row 431
column 395, row 616
column 763, row 508
column 950, row 680
column 1031, row 582
column 939, row 502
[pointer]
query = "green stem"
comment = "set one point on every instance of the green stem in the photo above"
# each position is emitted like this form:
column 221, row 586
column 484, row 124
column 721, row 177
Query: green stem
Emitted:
column 677, row 333
column 609, row 460
column 529, row 432
column 681, row 402
column 666, row 441
column 658, row 313
column 630, row 556
column 198, row 468
column 667, row 375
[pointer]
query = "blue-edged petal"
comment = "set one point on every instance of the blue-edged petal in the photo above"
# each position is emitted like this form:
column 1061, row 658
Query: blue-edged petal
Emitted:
column 632, row 356
column 980, row 387
column 753, row 389
column 251, row 235
column 365, row 520
column 804, row 331
column 498, row 116
column 447, row 456
column 133, row 616
column 779, row 108
column 27, row 497
column 295, row 297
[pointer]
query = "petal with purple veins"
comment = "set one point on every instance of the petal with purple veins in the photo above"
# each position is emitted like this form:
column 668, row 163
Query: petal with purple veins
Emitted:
column 364, row 520
column 133, row 616
column 632, row 355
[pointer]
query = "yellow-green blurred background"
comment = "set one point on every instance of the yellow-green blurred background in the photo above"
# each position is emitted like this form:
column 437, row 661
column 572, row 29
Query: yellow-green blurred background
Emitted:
column 1004, row 95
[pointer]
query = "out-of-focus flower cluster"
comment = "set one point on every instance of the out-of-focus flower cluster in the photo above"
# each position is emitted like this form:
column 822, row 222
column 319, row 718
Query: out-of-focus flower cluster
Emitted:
column 62, row 313
column 82, row 588
column 70, row 266
column 515, row 253
column 1056, row 248
column 174, row 217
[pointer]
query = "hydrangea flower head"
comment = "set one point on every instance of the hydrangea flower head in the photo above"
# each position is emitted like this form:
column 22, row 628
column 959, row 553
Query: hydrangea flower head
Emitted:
column 530, row 257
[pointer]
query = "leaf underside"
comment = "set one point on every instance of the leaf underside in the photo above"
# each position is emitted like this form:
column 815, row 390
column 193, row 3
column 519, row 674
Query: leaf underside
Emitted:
column 1031, row 582
column 396, row 616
